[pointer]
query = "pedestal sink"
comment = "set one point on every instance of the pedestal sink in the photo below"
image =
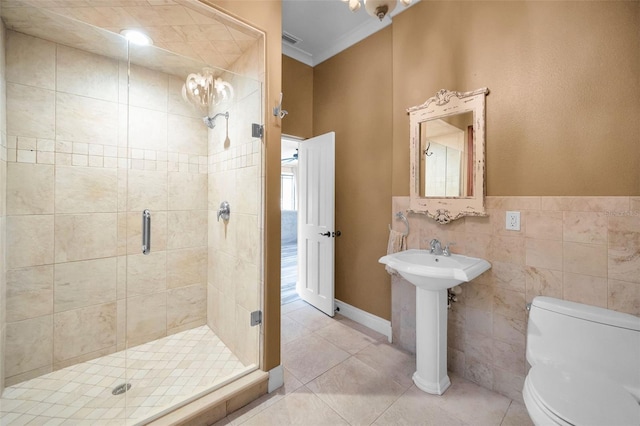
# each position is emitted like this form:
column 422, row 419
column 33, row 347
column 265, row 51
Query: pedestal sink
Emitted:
column 432, row 275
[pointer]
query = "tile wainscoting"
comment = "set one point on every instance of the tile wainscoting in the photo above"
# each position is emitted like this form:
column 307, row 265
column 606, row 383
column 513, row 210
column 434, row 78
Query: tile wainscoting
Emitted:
column 583, row 249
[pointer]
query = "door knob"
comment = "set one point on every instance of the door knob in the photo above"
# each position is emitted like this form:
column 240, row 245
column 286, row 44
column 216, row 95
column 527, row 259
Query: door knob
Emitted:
column 337, row 234
column 325, row 234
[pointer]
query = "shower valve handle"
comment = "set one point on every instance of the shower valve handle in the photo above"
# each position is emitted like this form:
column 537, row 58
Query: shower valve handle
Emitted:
column 224, row 211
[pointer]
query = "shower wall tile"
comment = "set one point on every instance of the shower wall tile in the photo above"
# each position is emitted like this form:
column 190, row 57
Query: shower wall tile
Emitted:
column 186, row 229
column 86, row 120
column 147, row 189
column 186, row 307
column 175, row 102
column 187, row 191
column 248, row 233
column 247, row 337
column 582, row 249
column 146, row 274
column 147, row 129
column 83, row 331
column 29, row 188
column 72, row 153
column 246, row 281
column 248, row 196
column 29, row 292
column 30, row 61
column 86, row 74
column 30, row 111
column 31, row 239
column 29, row 345
column 86, row 190
column 148, row 89
column 85, row 236
column 189, row 135
column 186, row 267
column 3, row 206
column 84, row 283
column 146, row 318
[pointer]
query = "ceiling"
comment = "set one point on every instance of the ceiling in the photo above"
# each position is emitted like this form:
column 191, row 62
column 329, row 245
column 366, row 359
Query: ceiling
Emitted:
column 326, row 27
column 186, row 34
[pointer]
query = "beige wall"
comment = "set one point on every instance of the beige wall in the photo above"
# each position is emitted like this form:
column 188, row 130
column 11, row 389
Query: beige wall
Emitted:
column 564, row 85
column 297, row 89
column 77, row 285
column 582, row 249
column 352, row 96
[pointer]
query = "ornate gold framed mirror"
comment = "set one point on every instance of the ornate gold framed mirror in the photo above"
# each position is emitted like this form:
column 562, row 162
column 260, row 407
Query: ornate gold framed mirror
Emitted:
column 447, row 155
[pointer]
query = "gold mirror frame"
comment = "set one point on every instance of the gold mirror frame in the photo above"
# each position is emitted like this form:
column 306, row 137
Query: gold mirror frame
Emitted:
column 446, row 103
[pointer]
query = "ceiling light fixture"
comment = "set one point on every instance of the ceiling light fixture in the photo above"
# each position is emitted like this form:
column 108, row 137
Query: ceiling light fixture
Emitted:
column 137, row 37
column 377, row 8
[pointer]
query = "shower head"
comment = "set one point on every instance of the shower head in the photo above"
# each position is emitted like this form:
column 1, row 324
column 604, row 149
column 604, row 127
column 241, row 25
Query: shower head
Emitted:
column 210, row 121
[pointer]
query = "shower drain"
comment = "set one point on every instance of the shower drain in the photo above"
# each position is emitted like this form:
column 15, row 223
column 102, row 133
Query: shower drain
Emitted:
column 120, row 389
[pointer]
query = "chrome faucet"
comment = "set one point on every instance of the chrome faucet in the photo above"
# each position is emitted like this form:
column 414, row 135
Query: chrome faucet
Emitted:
column 436, row 248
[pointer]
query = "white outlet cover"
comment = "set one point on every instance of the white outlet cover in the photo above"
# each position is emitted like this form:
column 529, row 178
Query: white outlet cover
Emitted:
column 513, row 221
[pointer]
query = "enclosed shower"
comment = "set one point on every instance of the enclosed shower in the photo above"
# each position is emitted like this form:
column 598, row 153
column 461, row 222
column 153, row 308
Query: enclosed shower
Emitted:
column 122, row 296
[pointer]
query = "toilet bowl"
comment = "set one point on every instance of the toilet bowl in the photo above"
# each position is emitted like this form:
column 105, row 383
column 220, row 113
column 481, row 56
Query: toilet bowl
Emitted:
column 585, row 365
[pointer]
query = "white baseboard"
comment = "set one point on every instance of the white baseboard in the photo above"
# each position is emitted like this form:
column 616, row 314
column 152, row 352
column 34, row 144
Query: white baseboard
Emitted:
column 276, row 378
column 365, row 318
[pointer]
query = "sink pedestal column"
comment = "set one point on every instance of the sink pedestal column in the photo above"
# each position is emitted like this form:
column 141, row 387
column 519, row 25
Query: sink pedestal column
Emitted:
column 431, row 341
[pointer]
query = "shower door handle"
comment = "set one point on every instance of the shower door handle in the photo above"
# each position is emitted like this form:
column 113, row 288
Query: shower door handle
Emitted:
column 146, row 232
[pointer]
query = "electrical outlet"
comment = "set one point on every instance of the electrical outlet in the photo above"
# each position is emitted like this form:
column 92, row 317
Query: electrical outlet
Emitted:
column 513, row 221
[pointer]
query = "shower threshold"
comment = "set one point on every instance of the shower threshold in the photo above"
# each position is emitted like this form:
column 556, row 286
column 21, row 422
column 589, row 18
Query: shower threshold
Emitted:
column 162, row 375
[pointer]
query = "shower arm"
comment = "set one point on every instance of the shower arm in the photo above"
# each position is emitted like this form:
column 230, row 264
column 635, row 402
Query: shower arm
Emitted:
column 210, row 121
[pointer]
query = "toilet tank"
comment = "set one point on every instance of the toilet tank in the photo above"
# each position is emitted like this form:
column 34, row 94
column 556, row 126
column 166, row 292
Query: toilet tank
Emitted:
column 583, row 337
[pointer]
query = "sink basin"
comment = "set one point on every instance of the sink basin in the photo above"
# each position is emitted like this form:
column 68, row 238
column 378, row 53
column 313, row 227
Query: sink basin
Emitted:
column 435, row 272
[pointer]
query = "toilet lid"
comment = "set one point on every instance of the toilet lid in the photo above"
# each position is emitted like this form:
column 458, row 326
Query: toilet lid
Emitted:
column 581, row 398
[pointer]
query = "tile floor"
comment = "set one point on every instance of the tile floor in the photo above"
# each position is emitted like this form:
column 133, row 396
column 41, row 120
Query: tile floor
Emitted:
column 162, row 373
column 338, row 372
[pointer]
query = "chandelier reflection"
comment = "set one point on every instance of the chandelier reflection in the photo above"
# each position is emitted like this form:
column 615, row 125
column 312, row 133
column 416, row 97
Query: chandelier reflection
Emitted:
column 204, row 90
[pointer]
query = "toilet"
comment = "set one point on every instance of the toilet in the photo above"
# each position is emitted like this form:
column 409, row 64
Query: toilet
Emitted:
column 585, row 365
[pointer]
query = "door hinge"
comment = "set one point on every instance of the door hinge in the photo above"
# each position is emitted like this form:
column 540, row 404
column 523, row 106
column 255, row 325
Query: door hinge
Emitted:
column 256, row 318
column 257, row 130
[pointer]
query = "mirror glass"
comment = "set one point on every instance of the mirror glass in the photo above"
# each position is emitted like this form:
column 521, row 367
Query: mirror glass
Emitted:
column 447, row 155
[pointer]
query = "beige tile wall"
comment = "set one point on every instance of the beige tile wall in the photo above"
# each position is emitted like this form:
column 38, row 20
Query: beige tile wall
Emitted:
column 3, row 196
column 77, row 285
column 236, row 175
column 583, row 249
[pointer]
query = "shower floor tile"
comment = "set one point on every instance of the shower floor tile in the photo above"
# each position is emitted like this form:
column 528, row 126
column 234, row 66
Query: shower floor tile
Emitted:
column 162, row 374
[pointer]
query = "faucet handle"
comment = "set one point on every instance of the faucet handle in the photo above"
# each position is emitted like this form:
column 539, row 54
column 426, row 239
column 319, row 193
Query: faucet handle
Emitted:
column 447, row 249
column 433, row 244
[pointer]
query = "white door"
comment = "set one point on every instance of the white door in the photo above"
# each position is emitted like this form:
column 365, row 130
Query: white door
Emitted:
column 316, row 222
